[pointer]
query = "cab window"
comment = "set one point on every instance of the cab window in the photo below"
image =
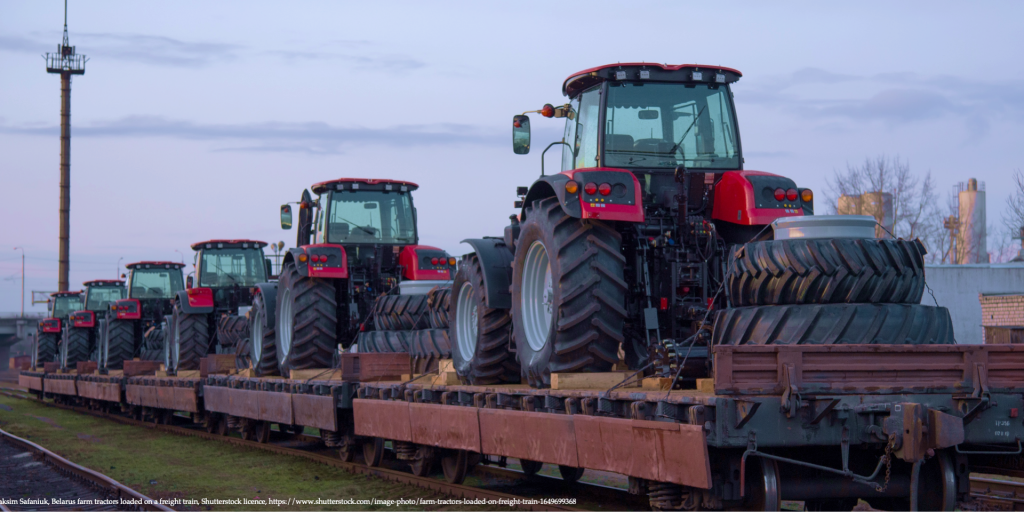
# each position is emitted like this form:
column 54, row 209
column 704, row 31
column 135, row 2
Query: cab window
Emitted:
column 155, row 283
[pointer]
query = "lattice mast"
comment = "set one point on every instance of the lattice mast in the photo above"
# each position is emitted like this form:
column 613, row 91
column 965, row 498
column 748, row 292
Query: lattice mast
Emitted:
column 65, row 62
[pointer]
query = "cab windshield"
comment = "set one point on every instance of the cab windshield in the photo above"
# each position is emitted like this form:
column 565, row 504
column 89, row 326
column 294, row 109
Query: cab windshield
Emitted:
column 664, row 125
column 64, row 306
column 99, row 298
column 155, row 283
column 228, row 267
column 369, row 217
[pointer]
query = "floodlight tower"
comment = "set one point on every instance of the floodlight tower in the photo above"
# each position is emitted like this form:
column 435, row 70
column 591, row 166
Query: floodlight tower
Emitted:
column 66, row 63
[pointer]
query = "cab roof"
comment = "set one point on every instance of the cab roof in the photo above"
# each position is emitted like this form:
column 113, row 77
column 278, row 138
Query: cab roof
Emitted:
column 67, row 293
column 103, row 282
column 323, row 186
column 148, row 264
column 227, row 244
column 579, row 81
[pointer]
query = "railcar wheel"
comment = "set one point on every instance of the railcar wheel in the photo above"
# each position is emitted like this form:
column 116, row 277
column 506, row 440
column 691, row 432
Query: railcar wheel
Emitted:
column 762, row 486
column 210, row 421
column 570, row 474
column 530, row 467
column 423, row 462
column 347, row 451
column 373, row 451
column 261, row 432
column 455, row 464
column 222, row 425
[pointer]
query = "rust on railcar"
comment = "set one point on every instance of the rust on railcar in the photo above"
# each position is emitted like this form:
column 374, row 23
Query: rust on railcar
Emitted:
column 315, row 411
column 382, row 418
column 165, row 396
column 30, row 382
column 185, row 399
column 275, row 407
column 660, row 451
column 132, row 394
column 525, row 435
column 446, row 426
column 215, row 399
column 243, row 403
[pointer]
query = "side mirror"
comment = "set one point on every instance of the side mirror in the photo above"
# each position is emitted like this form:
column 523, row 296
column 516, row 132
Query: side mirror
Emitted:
column 188, row 282
column 520, row 135
column 286, row 216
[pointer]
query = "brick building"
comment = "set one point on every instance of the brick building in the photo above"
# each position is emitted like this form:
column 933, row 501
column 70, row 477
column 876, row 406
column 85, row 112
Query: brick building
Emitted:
column 1002, row 317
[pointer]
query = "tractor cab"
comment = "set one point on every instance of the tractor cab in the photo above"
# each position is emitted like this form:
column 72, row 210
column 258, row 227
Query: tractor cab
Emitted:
column 99, row 296
column 59, row 307
column 225, row 270
column 152, row 286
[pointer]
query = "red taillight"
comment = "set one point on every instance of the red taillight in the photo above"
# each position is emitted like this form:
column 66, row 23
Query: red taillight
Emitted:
column 780, row 194
column 590, row 188
column 664, row 303
column 547, row 111
column 605, row 189
column 433, row 261
column 791, row 194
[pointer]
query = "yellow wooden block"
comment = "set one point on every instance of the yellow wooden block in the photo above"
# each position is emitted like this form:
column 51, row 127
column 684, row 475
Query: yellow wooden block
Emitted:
column 706, row 385
column 604, row 380
column 446, row 379
column 161, row 373
column 446, row 365
column 115, row 373
column 657, row 384
column 187, row 374
column 316, row 374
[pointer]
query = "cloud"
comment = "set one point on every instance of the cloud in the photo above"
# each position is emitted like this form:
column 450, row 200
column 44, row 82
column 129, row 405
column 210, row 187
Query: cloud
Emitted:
column 158, row 50
column 316, row 138
column 382, row 62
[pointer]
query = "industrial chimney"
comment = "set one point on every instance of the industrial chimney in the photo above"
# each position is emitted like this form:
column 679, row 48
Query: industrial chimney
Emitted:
column 973, row 243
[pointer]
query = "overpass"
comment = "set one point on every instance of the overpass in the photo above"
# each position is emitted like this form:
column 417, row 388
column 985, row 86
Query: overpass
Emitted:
column 15, row 329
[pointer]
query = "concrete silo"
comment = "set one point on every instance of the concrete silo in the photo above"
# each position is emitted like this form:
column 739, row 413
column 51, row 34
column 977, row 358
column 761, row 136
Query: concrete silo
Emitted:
column 972, row 239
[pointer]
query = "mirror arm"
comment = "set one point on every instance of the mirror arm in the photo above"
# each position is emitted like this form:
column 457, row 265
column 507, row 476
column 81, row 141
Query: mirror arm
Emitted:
column 545, row 152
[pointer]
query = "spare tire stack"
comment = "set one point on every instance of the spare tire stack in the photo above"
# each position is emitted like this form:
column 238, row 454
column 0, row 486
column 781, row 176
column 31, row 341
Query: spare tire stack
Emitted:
column 820, row 290
column 417, row 324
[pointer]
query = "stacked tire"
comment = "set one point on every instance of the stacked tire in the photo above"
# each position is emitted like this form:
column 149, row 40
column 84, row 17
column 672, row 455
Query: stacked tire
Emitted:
column 829, row 291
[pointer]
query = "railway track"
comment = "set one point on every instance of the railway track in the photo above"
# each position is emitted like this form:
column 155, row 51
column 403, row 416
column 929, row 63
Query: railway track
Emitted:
column 998, row 494
column 611, row 498
column 45, row 479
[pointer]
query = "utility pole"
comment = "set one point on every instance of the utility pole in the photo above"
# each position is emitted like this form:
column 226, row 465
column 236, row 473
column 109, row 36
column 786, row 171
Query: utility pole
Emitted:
column 65, row 63
column 22, row 279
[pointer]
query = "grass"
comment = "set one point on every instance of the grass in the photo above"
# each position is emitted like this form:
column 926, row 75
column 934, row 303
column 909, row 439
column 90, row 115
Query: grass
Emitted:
column 162, row 465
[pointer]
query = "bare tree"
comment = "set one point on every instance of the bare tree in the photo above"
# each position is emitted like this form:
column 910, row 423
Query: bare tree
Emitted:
column 881, row 180
column 1013, row 216
column 947, row 240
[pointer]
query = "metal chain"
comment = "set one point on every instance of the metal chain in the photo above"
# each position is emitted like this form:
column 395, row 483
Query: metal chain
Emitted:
column 888, row 463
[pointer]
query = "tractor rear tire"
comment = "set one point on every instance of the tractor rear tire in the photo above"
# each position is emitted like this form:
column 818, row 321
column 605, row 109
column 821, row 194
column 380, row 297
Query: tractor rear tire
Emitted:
column 826, row 271
column 152, row 343
column 401, row 313
column 78, row 348
column 262, row 339
column 834, row 324
column 437, row 303
column 191, row 339
column 384, row 341
column 479, row 336
column 167, row 342
column 568, row 294
column 427, row 348
column 307, row 321
column 120, row 343
column 46, row 351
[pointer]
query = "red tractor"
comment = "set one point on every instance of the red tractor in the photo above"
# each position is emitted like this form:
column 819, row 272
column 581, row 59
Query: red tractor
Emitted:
column 82, row 335
column 48, row 333
column 623, row 252
column 356, row 254
column 134, row 325
column 209, row 316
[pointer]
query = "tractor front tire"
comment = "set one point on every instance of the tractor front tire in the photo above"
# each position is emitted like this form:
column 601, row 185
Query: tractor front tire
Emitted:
column 568, row 293
column 78, row 349
column 307, row 321
column 479, row 336
column 46, row 350
column 191, row 339
column 120, row 343
column 262, row 338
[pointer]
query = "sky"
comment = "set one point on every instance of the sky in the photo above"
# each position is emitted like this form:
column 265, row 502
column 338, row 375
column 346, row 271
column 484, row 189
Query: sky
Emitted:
column 196, row 120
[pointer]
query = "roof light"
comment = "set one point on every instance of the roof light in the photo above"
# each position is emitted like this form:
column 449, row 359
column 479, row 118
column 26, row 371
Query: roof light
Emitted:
column 547, row 110
column 355, row 186
column 620, row 75
column 719, row 78
column 806, row 195
column 697, row 76
column 388, row 187
column 645, row 74
column 339, row 186
column 780, row 194
column 791, row 194
column 605, row 189
column 572, row 187
column 209, row 246
column 405, row 188
column 220, row 246
column 590, row 188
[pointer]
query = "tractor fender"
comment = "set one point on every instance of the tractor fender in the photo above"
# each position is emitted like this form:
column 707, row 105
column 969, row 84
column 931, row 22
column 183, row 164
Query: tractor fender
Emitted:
column 269, row 293
column 194, row 301
column 496, row 262
column 293, row 257
column 553, row 185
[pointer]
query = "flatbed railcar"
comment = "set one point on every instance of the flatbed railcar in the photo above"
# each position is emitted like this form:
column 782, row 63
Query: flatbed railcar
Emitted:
column 822, row 424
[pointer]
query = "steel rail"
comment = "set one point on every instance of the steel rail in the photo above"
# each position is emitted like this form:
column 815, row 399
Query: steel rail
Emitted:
column 116, row 489
column 990, row 489
column 431, row 484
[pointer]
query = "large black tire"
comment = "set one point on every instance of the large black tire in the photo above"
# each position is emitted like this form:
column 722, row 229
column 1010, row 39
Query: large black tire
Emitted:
column 480, row 336
column 826, row 271
column 401, row 313
column 47, row 347
column 437, row 303
column 232, row 330
column 152, row 343
column 167, row 341
column 120, row 343
column 828, row 324
column 429, row 346
column 384, row 341
column 262, row 344
column 191, row 339
column 78, row 349
column 308, row 337
column 587, row 295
